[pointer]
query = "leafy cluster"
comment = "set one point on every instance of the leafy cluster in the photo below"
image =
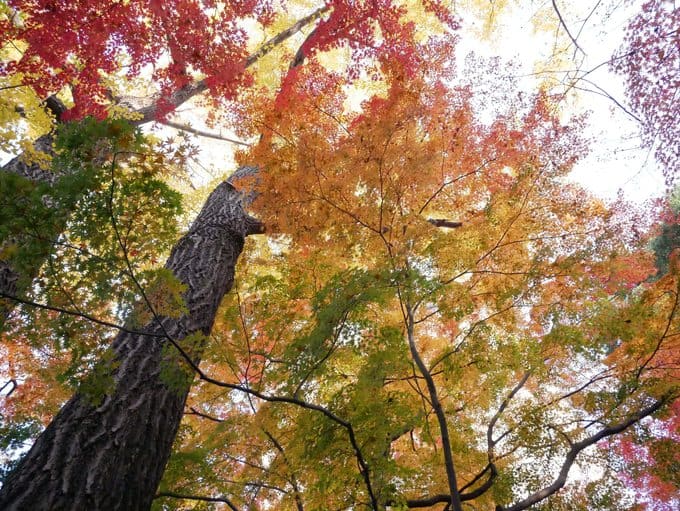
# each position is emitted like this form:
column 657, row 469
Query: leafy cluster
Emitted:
column 94, row 235
column 438, row 316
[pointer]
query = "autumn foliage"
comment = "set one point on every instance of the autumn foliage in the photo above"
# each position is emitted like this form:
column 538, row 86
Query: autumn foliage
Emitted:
column 649, row 60
column 437, row 316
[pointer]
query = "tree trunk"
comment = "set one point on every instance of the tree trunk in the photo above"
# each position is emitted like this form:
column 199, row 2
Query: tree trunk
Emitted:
column 110, row 455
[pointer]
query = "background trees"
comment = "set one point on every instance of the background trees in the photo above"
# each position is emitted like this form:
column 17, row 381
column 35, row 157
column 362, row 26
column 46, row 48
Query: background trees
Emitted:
column 438, row 317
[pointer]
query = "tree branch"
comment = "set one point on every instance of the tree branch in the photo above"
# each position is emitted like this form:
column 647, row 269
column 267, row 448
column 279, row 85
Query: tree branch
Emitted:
column 11, row 382
column 77, row 314
column 293, row 480
column 489, row 432
column 443, row 222
column 454, row 498
column 577, row 447
column 561, row 479
column 665, row 332
column 168, row 494
column 193, row 411
column 566, row 29
column 184, row 94
column 201, row 133
column 484, row 487
column 440, row 498
column 300, row 54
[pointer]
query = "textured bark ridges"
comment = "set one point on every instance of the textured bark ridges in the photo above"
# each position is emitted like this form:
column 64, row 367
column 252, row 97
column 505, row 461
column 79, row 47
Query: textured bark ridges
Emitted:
column 33, row 171
column 8, row 286
column 111, row 456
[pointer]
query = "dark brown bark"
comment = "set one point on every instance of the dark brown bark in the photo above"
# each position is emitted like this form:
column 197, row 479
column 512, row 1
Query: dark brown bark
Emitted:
column 111, row 455
column 8, row 287
column 454, row 497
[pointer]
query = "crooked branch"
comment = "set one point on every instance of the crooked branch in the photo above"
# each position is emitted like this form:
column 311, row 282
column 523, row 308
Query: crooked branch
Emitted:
column 202, row 133
column 61, row 310
column 454, row 498
column 564, row 25
column 185, row 496
column 576, row 448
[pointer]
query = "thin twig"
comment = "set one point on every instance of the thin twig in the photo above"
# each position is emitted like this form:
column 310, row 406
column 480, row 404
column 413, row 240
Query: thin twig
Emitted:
column 564, row 25
column 77, row 314
column 225, row 500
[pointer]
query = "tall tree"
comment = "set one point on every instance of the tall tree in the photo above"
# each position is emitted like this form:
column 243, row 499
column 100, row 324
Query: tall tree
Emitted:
column 443, row 319
column 99, row 46
column 108, row 450
column 461, row 304
column 49, row 61
column 87, row 93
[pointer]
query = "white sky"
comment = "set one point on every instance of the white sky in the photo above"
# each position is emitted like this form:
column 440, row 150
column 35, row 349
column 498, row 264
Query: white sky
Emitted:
column 616, row 160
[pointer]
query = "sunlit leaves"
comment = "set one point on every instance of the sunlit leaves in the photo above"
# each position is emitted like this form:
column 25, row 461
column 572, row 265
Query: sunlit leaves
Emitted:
column 511, row 271
column 102, row 225
column 418, row 241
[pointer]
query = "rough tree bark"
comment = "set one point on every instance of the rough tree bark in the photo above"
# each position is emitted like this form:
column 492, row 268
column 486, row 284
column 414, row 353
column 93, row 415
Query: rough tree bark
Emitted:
column 111, row 455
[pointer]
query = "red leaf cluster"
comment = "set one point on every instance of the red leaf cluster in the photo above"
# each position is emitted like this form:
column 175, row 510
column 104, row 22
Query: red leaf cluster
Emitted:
column 73, row 43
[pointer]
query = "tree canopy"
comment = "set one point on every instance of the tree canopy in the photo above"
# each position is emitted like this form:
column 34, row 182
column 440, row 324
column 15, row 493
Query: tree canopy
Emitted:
column 428, row 312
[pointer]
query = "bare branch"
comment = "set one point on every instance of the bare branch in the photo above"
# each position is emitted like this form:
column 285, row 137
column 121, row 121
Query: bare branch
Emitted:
column 201, row 133
column 440, row 498
column 193, row 411
column 452, row 181
column 300, row 54
column 15, row 86
column 566, row 29
column 11, row 382
column 443, row 222
column 601, row 92
column 168, row 494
